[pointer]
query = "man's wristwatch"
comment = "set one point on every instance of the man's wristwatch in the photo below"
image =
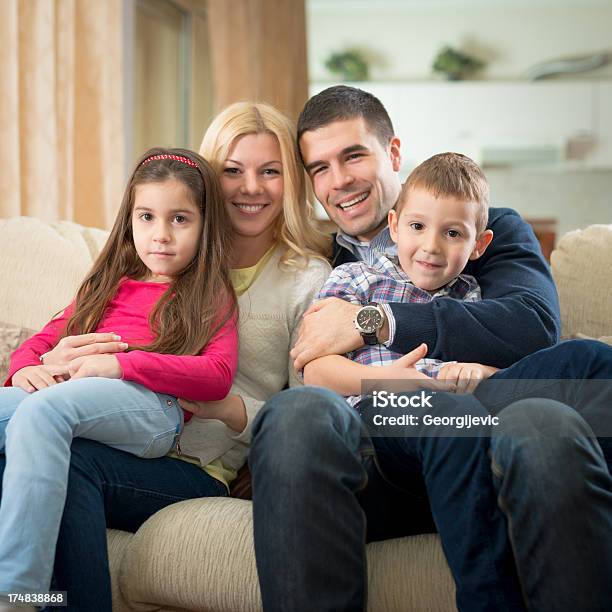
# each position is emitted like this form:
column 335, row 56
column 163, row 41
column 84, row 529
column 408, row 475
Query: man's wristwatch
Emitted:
column 369, row 321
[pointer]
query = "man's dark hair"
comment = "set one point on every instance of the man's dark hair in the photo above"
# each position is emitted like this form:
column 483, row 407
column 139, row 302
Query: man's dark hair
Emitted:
column 341, row 103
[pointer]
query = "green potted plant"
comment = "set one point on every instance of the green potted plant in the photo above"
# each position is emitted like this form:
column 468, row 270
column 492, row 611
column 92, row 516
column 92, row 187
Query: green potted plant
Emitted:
column 456, row 65
column 349, row 64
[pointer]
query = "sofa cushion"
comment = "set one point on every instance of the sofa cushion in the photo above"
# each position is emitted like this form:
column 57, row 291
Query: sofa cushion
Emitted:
column 11, row 336
column 166, row 565
column 43, row 264
column 605, row 339
column 582, row 269
column 117, row 542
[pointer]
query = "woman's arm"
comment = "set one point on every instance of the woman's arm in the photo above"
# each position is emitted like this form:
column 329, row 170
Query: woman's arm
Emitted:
column 231, row 411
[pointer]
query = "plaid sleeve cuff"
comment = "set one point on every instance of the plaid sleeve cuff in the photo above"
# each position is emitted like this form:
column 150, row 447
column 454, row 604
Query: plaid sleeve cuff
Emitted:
column 391, row 320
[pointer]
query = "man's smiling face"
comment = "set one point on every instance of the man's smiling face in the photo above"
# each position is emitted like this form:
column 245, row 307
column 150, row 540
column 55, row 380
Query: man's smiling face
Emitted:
column 353, row 175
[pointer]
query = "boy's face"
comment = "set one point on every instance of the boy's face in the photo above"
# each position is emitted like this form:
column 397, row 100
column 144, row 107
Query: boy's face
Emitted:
column 353, row 175
column 436, row 237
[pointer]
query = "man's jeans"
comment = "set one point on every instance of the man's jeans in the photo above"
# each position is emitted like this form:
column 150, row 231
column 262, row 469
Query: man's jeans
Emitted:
column 36, row 431
column 551, row 461
column 312, row 465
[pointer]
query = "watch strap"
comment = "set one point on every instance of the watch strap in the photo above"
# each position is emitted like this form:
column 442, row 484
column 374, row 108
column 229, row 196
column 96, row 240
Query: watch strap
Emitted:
column 369, row 339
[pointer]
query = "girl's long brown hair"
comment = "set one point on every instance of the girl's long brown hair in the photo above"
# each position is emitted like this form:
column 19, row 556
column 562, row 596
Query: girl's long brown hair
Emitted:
column 201, row 299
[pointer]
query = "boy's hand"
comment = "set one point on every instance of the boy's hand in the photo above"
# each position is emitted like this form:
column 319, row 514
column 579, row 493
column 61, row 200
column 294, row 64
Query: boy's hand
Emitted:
column 73, row 347
column 34, row 378
column 466, row 376
column 104, row 366
column 404, row 369
column 327, row 329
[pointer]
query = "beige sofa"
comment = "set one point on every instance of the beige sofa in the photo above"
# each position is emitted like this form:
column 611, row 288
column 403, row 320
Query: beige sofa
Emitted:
column 198, row 555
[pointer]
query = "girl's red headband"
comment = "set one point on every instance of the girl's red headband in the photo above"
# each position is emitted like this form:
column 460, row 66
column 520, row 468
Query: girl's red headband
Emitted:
column 180, row 158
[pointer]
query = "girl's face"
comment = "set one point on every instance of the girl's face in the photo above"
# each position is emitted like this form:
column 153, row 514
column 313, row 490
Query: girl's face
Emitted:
column 167, row 228
column 252, row 183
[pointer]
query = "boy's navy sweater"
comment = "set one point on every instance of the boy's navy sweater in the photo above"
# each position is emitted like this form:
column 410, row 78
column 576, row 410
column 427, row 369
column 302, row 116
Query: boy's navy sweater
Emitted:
column 518, row 314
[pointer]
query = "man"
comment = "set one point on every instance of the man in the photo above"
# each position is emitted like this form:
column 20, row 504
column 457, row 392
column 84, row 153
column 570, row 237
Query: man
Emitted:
column 316, row 471
column 350, row 153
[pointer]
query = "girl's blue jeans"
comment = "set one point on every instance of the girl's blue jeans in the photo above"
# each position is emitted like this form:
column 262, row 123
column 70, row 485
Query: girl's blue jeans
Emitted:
column 36, row 431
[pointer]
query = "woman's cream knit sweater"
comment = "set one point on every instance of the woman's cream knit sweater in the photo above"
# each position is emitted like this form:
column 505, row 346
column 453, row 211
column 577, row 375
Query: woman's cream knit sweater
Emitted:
column 270, row 314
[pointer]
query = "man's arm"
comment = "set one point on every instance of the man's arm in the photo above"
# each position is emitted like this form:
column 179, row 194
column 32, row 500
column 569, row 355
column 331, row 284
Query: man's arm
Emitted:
column 315, row 340
column 519, row 313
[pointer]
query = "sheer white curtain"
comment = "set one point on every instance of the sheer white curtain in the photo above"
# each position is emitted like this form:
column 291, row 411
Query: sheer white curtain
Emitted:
column 61, row 114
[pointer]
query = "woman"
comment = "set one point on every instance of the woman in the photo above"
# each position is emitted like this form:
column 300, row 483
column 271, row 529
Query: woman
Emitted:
column 276, row 262
column 278, row 266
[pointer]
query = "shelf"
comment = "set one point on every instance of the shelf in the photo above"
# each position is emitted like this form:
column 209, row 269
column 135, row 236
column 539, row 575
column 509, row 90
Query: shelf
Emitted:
column 571, row 119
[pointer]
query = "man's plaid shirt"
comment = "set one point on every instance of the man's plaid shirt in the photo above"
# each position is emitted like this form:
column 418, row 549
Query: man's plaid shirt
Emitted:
column 383, row 281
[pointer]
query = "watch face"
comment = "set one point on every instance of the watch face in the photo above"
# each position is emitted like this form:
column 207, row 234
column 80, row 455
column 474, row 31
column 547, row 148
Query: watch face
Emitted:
column 369, row 319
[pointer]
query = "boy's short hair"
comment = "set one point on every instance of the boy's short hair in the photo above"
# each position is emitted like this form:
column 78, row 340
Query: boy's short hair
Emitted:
column 342, row 103
column 451, row 175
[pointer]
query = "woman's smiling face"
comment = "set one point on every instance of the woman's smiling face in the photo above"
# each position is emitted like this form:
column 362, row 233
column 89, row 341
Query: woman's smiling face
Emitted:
column 252, row 183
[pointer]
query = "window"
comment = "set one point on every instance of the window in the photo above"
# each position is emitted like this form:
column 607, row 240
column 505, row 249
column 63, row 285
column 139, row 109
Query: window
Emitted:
column 168, row 78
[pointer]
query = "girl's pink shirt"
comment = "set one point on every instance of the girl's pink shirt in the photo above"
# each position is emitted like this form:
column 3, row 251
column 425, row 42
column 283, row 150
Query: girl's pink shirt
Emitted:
column 205, row 377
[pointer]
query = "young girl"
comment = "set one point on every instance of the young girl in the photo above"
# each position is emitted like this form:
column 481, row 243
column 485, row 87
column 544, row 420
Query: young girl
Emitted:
column 161, row 283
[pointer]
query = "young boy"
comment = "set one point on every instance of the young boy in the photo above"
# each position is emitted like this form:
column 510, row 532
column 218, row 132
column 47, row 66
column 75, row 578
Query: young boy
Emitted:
column 438, row 224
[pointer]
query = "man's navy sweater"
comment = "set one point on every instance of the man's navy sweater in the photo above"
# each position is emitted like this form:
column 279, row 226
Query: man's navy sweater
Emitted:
column 519, row 312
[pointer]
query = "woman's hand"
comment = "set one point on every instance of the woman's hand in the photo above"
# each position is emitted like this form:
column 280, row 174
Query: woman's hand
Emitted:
column 230, row 410
column 466, row 376
column 72, row 347
column 103, row 366
column 34, row 378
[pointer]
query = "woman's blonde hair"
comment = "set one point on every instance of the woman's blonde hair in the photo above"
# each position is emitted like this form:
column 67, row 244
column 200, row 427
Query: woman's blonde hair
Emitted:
column 295, row 230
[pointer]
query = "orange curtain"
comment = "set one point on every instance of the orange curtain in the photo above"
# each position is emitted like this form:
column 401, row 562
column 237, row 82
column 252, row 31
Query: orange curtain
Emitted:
column 61, row 109
column 258, row 52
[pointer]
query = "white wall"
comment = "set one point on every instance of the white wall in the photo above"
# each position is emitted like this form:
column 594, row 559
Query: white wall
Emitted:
column 406, row 34
column 575, row 199
column 404, row 37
